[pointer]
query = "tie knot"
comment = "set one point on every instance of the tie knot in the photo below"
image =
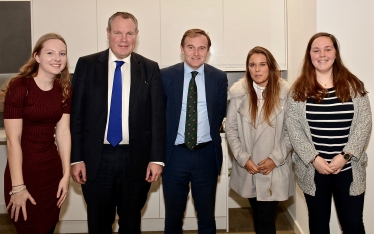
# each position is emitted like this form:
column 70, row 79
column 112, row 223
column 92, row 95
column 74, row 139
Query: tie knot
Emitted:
column 119, row 63
column 194, row 74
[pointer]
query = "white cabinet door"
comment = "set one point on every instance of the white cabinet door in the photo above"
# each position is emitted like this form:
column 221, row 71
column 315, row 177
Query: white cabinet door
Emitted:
column 148, row 15
column 178, row 16
column 250, row 23
column 74, row 20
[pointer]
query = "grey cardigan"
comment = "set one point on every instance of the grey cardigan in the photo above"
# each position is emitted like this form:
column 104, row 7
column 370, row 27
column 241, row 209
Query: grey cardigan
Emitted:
column 258, row 142
column 304, row 150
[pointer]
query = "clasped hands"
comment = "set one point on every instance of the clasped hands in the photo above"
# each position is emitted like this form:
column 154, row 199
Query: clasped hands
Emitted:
column 325, row 168
column 264, row 167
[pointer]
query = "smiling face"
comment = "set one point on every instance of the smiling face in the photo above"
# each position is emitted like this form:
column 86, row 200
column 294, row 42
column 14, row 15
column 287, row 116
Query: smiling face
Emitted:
column 323, row 54
column 195, row 51
column 51, row 58
column 259, row 69
column 122, row 37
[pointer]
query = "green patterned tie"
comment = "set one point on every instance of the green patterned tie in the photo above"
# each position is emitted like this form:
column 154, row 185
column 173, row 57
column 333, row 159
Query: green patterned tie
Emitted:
column 190, row 133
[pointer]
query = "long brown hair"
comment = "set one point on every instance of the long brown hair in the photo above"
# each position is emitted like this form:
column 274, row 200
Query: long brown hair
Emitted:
column 30, row 69
column 271, row 92
column 306, row 84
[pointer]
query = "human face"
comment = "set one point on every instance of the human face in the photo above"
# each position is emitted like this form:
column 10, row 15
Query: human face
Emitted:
column 259, row 69
column 322, row 54
column 122, row 37
column 195, row 51
column 51, row 58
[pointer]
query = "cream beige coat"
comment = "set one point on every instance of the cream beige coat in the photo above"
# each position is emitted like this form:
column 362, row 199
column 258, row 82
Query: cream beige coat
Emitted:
column 258, row 142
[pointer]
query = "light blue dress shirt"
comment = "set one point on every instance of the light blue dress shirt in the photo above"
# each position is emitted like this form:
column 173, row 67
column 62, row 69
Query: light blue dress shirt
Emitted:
column 203, row 127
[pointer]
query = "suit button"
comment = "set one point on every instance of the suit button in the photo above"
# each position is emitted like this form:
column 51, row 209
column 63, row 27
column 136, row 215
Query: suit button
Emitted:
column 101, row 140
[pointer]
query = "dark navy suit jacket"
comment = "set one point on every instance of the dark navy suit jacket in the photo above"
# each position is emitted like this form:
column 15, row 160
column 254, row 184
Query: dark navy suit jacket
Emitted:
column 216, row 98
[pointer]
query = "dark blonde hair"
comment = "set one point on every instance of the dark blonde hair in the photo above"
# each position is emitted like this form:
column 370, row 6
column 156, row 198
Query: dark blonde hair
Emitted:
column 194, row 33
column 30, row 69
column 306, row 84
column 271, row 92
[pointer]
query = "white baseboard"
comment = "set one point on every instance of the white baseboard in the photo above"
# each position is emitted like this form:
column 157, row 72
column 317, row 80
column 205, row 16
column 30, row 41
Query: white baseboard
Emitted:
column 238, row 202
column 3, row 209
column 147, row 225
column 294, row 224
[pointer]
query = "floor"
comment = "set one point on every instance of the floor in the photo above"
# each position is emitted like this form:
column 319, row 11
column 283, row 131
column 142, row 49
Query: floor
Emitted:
column 240, row 223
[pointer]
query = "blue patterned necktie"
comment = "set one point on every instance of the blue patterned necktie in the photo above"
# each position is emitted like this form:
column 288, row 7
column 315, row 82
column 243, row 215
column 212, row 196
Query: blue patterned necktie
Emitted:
column 114, row 135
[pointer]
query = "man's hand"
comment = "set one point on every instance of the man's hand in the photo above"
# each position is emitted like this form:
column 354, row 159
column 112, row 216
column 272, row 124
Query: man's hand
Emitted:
column 154, row 171
column 78, row 173
column 251, row 167
column 266, row 166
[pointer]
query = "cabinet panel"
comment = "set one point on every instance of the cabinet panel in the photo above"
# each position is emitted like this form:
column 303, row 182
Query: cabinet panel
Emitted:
column 74, row 20
column 178, row 16
column 148, row 15
column 250, row 23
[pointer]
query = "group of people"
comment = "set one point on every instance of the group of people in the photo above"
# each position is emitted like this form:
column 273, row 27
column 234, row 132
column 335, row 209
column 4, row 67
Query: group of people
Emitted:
column 124, row 122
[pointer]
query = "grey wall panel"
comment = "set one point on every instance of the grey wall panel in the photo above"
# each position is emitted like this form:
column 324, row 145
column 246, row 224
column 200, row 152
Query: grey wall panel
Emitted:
column 15, row 35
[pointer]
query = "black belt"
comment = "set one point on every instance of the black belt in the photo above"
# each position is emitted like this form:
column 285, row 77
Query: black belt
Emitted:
column 197, row 147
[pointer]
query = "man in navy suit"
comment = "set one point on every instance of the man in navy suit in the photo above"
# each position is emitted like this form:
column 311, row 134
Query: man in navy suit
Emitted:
column 199, row 163
column 116, row 174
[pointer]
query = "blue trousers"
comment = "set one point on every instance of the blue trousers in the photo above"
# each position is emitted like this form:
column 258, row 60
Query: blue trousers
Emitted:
column 198, row 168
column 349, row 208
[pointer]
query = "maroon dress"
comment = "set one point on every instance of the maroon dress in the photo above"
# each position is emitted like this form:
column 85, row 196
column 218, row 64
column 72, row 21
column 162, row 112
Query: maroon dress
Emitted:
column 41, row 167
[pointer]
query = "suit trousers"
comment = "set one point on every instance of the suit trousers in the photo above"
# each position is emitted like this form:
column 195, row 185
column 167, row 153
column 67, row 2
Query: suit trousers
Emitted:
column 115, row 189
column 348, row 208
column 199, row 169
column 264, row 215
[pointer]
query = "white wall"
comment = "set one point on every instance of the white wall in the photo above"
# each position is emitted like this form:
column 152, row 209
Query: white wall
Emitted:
column 301, row 16
column 352, row 22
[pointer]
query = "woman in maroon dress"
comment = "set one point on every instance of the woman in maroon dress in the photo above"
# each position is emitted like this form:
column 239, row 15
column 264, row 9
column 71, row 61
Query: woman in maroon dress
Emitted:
column 36, row 119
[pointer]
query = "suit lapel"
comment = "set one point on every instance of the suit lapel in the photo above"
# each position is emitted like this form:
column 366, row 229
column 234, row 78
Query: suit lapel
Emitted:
column 136, row 78
column 209, row 95
column 102, row 76
column 178, row 89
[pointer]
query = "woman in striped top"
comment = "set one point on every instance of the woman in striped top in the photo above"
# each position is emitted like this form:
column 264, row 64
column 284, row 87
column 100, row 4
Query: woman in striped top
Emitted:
column 329, row 123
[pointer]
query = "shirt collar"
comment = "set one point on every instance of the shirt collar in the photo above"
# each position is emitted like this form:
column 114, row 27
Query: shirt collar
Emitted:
column 113, row 58
column 188, row 70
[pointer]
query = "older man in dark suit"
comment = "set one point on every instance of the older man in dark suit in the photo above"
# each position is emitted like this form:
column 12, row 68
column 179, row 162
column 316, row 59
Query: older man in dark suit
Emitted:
column 118, row 129
column 195, row 95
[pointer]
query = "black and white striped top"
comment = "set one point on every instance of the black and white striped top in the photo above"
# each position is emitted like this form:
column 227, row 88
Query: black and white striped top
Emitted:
column 330, row 122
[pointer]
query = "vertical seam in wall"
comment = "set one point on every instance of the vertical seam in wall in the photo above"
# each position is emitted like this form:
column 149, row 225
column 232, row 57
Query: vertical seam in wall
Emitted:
column 97, row 29
column 160, row 58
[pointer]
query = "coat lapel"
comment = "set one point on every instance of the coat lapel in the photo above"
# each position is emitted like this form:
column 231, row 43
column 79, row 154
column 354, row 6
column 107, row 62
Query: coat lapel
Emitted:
column 209, row 95
column 178, row 89
column 136, row 79
column 102, row 76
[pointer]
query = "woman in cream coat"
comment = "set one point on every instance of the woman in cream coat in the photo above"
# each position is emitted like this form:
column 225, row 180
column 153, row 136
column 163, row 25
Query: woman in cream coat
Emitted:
column 261, row 169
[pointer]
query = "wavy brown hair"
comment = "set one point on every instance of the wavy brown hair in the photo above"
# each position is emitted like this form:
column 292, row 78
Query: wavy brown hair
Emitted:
column 271, row 92
column 30, row 69
column 306, row 84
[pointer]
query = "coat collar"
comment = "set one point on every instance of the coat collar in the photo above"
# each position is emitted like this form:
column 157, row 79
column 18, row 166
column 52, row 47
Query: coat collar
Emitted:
column 239, row 91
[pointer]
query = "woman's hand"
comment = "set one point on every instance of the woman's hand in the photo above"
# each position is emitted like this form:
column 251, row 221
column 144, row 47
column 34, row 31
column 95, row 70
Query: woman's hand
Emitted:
column 18, row 202
column 322, row 166
column 251, row 167
column 266, row 166
column 63, row 189
column 337, row 163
